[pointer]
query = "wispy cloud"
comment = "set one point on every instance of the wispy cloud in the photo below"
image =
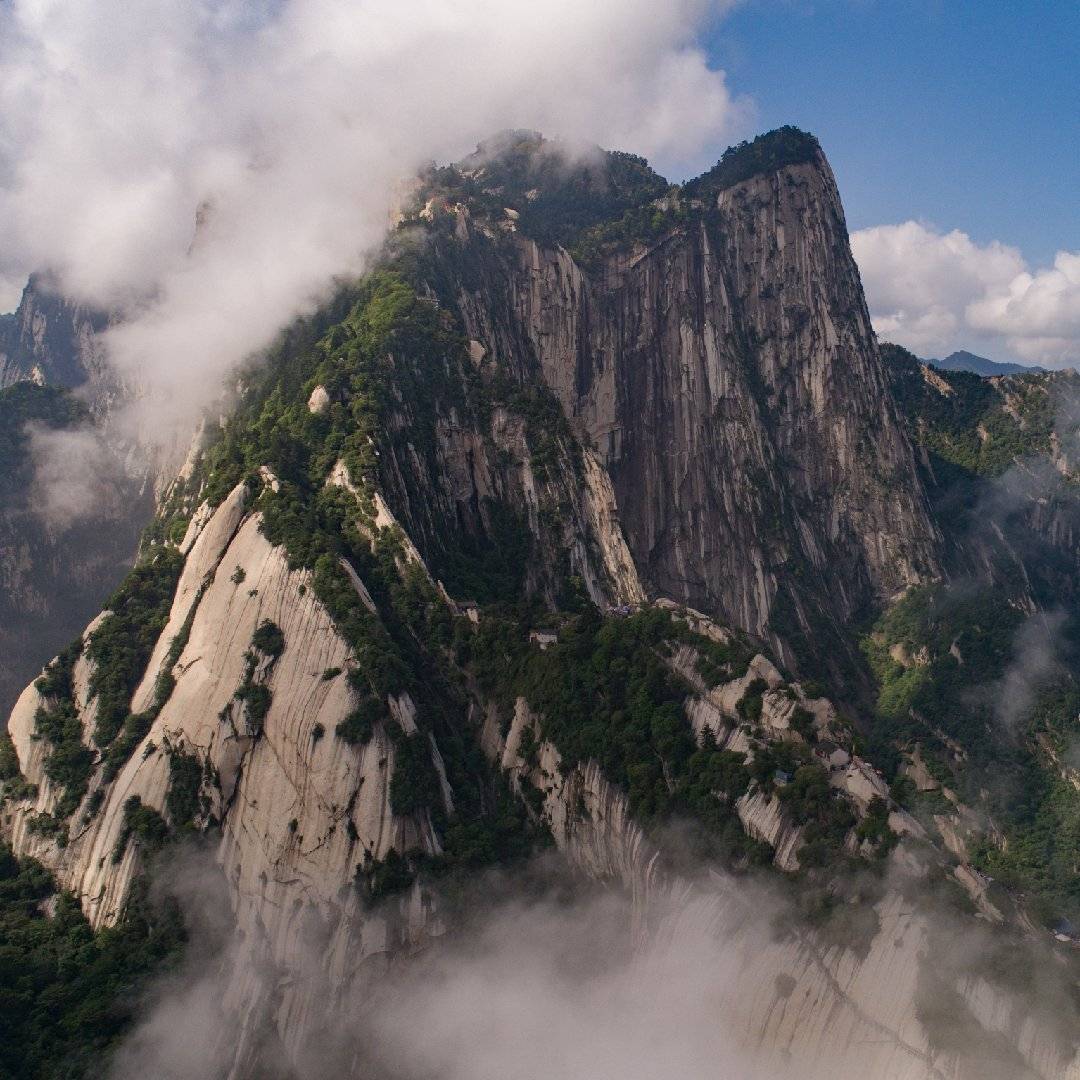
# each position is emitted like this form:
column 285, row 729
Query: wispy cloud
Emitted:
column 1035, row 659
column 539, row 974
column 78, row 476
column 289, row 124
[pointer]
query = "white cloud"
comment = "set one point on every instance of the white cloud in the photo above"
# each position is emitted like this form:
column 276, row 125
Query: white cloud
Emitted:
column 934, row 292
column 78, row 476
column 293, row 120
column 1039, row 312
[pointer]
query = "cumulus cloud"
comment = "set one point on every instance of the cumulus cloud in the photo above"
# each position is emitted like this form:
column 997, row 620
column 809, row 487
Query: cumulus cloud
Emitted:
column 935, row 292
column 1039, row 313
column 290, row 123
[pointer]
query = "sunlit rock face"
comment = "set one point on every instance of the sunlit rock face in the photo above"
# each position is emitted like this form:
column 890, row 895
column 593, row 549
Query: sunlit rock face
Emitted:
column 734, row 456
column 298, row 809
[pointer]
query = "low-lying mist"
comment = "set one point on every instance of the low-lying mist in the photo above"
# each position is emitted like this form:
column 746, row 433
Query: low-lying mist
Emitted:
column 543, row 975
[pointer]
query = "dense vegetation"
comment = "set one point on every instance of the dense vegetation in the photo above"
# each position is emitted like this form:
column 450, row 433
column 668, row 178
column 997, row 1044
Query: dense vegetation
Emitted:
column 972, row 424
column 596, row 206
column 69, row 763
column 555, row 194
column 639, row 225
column 387, row 355
column 606, row 693
column 66, row 993
column 120, row 647
column 774, row 150
column 945, row 700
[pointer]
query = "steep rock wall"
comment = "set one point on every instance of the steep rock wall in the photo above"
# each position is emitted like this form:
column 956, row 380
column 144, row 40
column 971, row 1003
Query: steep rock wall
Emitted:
column 58, row 566
column 53, row 340
column 297, row 811
column 729, row 392
column 484, row 465
column 730, row 381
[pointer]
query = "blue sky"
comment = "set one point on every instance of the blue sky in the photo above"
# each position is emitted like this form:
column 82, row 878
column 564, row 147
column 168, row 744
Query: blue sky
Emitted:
column 953, row 127
column 963, row 113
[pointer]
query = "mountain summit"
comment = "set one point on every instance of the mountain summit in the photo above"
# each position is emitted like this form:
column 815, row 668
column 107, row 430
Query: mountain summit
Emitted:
column 712, row 345
column 593, row 518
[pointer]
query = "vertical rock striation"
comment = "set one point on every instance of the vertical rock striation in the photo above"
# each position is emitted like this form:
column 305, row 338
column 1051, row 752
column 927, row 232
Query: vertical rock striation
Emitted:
column 700, row 419
column 728, row 376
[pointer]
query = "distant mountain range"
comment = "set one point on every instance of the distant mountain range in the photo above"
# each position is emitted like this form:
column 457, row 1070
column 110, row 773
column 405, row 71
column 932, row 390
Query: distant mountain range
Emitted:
column 966, row 361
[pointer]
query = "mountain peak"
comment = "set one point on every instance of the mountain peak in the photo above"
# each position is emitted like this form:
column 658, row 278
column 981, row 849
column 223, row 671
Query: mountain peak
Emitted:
column 588, row 199
column 962, row 360
column 769, row 152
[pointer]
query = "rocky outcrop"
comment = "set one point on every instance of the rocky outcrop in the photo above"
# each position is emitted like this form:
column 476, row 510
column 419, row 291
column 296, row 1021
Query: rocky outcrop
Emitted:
column 865, row 1003
column 730, row 381
column 998, row 458
column 703, row 419
column 57, row 565
column 70, row 518
column 483, row 491
column 53, row 341
column 299, row 809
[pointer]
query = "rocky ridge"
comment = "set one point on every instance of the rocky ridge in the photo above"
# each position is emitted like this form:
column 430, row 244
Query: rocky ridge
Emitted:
column 53, row 341
column 67, row 535
column 459, row 515
column 727, row 375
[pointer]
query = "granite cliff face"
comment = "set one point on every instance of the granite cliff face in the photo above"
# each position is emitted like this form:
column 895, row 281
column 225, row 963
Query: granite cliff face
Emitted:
column 543, row 531
column 52, row 341
column 728, row 376
column 296, row 811
column 298, row 814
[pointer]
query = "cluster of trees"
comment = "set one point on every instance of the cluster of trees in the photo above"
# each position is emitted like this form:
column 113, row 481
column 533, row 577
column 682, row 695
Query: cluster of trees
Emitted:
column 142, row 823
column 717, row 663
column 69, row 762
column 383, row 363
column 767, row 153
column 556, row 195
column 960, row 641
column 602, row 205
column 971, row 428
column 638, row 225
column 120, row 647
column 68, row 993
column 605, row 693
